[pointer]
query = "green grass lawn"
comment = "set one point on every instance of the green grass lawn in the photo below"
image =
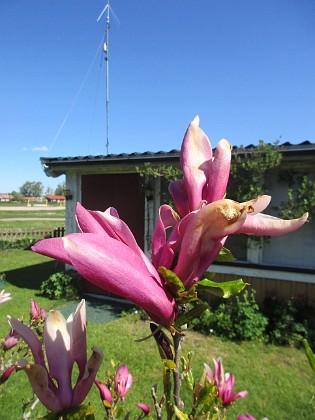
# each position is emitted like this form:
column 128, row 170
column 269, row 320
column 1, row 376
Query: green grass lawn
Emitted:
column 31, row 224
column 24, row 272
column 8, row 218
column 279, row 379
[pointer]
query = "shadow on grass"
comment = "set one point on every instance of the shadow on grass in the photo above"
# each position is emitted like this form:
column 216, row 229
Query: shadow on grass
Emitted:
column 98, row 311
column 32, row 276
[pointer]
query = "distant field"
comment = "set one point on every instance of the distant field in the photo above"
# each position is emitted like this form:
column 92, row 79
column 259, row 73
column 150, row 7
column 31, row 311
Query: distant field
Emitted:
column 42, row 214
column 31, row 217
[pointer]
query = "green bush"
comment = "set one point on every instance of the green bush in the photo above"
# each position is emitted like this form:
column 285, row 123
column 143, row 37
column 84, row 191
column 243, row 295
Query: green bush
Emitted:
column 289, row 321
column 236, row 319
column 23, row 243
column 240, row 318
column 61, row 285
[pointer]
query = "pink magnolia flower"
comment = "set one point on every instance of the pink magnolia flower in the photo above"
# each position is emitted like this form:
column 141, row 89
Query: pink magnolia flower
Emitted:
column 205, row 176
column 207, row 217
column 107, row 254
column 123, row 381
column 37, row 313
column 224, row 383
column 11, row 340
column 105, row 392
column 65, row 344
column 246, row 417
column 4, row 296
column 196, row 240
column 145, row 408
column 6, row 374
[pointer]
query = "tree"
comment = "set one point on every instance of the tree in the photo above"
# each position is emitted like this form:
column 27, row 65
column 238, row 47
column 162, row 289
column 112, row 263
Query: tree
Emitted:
column 32, row 189
column 60, row 189
column 16, row 196
column 49, row 191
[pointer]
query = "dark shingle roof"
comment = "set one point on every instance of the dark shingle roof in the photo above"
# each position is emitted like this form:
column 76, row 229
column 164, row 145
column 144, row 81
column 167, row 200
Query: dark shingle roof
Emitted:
column 56, row 165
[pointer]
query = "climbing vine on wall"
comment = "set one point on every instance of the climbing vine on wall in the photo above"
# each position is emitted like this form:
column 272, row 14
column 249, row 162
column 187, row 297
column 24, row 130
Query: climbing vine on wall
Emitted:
column 301, row 198
column 249, row 170
column 250, row 177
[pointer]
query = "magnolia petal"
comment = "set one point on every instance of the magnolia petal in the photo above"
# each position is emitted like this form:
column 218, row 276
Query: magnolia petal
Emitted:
column 84, row 385
column 246, row 417
column 77, row 329
column 174, row 241
column 57, row 345
column 259, row 204
column 105, row 392
column 241, row 394
column 218, row 370
column 6, row 374
column 30, row 338
column 179, row 193
column 123, row 381
column 205, row 235
column 86, row 220
column 219, row 172
column 38, row 378
column 263, row 224
column 112, row 211
column 167, row 218
column 114, row 267
column 144, row 407
column 34, row 310
column 206, row 259
column 196, row 158
column 208, row 371
column 4, row 296
column 109, row 224
column 52, row 248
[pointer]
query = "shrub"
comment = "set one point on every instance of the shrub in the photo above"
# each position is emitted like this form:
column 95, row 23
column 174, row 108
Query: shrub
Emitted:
column 289, row 321
column 240, row 319
column 237, row 319
column 61, row 285
column 205, row 323
column 23, row 243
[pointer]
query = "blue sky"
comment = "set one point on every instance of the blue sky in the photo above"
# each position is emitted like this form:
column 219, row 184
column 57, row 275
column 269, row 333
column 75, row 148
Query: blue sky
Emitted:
column 246, row 67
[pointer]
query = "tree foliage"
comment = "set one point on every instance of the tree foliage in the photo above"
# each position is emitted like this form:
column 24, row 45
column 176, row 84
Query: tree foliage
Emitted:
column 32, row 189
column 60, row 189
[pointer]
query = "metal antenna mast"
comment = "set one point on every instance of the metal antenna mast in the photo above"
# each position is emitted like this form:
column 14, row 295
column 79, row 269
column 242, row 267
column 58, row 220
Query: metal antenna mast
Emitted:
column 106, row 8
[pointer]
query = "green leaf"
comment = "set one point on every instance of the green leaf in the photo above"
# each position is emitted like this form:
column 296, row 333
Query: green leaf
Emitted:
column 187, row 297
column 84, row 412
column 187, row 371
column 169, row 364
column 207, row 394
column 190, row 315
column 50, row 416
column 174, row 283
column 179, row 414
column 225, row 255
column 209, row 275
column 177, row 288
column 225, row 289
column 309, row 354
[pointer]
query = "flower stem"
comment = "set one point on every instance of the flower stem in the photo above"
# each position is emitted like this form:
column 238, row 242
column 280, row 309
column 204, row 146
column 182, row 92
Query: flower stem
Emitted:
column 177, row 340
